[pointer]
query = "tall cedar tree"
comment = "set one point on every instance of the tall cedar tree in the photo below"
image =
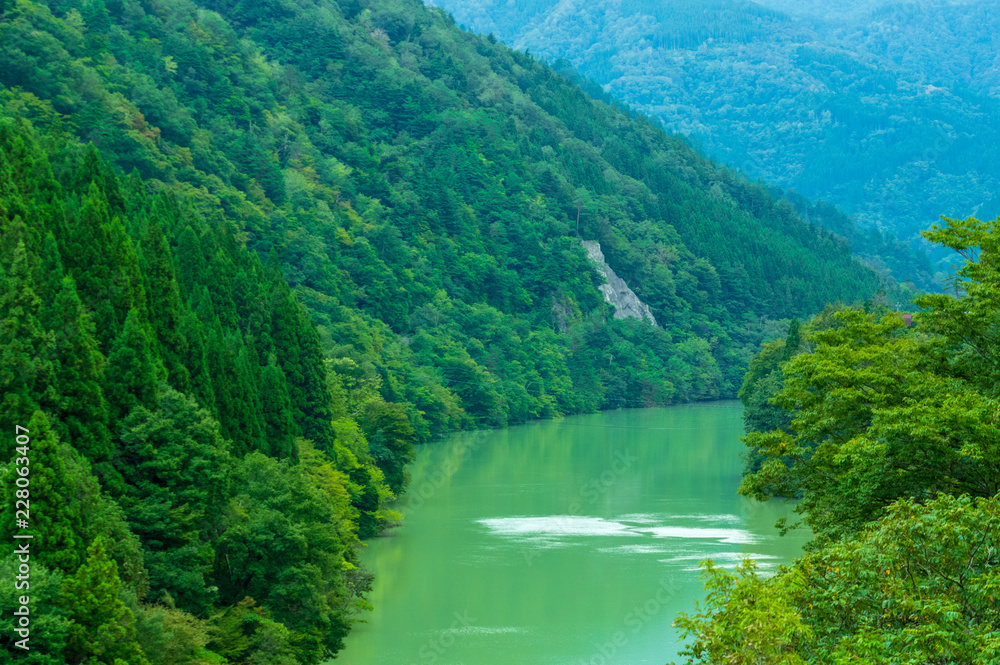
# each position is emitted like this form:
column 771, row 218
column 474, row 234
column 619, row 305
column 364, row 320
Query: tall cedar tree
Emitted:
column 82, row 409
column 55, row 522
column 103, row 628
column 100, row 257
column 131, row 373
column 164, row 303
column 191, row 268
column 26, row 373
column 298, row 351
column 196, row 360
column 235, row 391
column 276, row 407
column 50, row 278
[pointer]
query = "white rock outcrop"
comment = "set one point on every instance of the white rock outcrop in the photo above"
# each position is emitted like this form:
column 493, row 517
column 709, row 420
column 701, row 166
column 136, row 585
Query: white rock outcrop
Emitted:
column 616, row 291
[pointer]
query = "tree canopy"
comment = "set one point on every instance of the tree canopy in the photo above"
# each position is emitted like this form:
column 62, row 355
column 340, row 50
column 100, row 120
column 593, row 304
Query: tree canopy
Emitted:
column 891, row 442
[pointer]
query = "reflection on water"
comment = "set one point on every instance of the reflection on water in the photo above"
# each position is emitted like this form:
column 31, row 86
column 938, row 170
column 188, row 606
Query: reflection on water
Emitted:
column 563, row 542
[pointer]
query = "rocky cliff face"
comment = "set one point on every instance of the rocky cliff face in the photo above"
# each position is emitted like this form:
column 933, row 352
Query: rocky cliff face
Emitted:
column 616, row 291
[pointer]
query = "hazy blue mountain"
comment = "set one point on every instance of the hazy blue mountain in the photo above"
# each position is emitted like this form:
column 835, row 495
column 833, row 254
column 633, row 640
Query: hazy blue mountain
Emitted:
column 888, row 110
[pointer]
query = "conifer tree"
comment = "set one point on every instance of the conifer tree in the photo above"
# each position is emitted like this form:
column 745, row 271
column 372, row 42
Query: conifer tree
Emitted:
column 297, row 348
column 129, row 291
column 190, row 263
column 793, row 341
column 101, row 257
column 135, row 192
column 196, row 360
column 251, row 306
column 276, row 407
column 21, row 180
column 54, row 515
column 165, row 208
column 25, row 368
column 51, row 274
column 164, row 304
column 222, row 272
column 79, row 367
column 247, row 374
column 131, row 374
column 235, row 392
column 202, row 306
column 92, row 170
column 103, row 628
column 102, row 260
column 88, row 249
column 76, row 398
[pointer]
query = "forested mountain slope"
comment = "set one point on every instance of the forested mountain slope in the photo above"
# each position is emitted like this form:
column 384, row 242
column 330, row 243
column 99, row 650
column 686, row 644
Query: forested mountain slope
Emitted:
column 945, row 43
column 304, row 236
column 424, row 189
column 883, row 109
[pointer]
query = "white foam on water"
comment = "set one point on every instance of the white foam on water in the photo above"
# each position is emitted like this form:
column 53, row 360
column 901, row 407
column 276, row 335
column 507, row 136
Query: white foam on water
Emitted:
column 730, row 536
column 660, row 518
column 555, row 526
column 728, row 560
column 724, row 566
column 633, row 549
column 763, row 568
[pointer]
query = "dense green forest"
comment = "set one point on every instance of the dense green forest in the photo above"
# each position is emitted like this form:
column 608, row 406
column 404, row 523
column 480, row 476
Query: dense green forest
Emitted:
column 423, row 191
column 193, row 484
column 889, row 436
column 251, row 253
column 887, row 110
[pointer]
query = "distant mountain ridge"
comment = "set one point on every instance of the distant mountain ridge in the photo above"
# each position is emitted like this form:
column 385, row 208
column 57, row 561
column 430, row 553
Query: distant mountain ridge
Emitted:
column 884, row 109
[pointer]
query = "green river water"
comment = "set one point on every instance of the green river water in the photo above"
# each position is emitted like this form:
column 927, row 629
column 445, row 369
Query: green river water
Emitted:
column 563, row 542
